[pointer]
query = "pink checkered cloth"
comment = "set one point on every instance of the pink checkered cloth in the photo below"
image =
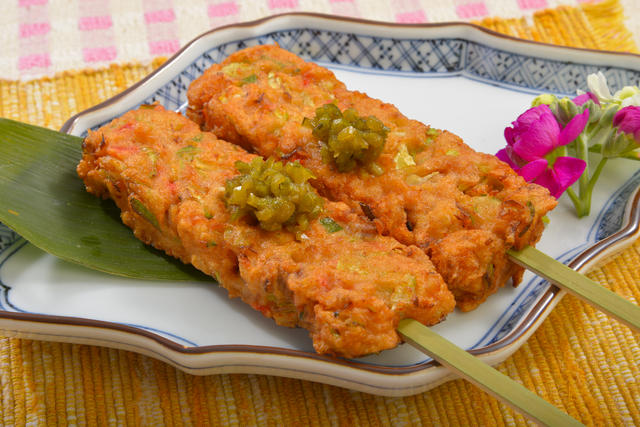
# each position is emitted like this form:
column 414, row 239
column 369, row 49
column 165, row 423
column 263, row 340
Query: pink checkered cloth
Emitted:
column 44, row 37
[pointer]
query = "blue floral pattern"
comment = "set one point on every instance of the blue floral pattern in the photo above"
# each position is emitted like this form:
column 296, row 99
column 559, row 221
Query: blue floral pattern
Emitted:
column 440, row 56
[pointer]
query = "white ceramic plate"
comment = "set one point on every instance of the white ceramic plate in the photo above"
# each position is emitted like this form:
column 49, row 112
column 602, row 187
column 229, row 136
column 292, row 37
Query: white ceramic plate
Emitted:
column 454, row 76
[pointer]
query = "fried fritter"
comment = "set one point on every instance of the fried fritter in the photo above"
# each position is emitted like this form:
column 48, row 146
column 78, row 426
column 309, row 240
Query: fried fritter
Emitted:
column 344, row 283
column 464, row 208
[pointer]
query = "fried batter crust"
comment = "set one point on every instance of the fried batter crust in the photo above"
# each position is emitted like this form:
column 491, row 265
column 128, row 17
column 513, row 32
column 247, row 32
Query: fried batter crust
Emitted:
column 455, row 203
column 349, row 288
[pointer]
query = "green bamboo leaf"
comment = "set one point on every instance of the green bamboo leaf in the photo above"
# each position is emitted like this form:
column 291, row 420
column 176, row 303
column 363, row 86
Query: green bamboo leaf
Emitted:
column 43, row 200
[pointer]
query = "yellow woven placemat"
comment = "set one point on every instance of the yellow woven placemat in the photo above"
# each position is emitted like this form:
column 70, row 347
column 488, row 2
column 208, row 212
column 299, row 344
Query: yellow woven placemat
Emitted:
column 579, row 359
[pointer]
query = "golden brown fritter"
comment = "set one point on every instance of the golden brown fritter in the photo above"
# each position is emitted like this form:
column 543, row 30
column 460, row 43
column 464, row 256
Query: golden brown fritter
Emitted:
column 464, row 208
column 348, row 287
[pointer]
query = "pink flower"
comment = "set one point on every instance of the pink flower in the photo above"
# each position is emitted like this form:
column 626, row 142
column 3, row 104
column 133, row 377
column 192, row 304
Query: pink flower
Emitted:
column 581, row 99
column 533, row 149
column 628, row 121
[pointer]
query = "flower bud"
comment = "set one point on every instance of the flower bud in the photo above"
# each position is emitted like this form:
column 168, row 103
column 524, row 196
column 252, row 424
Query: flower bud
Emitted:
column 633, row 100
column 628, row 121
column 633, row 155
column 595, row 111
column 602, row 137
column 607, row 115
column 545, row 98
column 564, row 110
column 619, row 145
column 626, row 92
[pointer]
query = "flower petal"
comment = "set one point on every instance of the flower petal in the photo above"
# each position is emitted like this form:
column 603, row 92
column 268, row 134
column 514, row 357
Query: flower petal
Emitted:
column 539, row 139
column 530, row 116
column 632, row 100
column 573, row 128
column 547, row 180
column 587, row 96
column 509, row 135
column 532, row 170
column 626, row 93
column 598, row 86
column 502, row 155
column 566, row 171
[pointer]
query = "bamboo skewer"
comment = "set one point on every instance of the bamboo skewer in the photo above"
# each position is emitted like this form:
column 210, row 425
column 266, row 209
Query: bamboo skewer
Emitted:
column 577, row 284
column 482, row 375
column 499, row 385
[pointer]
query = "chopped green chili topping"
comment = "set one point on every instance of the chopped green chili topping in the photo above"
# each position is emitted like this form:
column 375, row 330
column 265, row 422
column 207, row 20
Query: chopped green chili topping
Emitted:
column 276, row 195
column 348, row 140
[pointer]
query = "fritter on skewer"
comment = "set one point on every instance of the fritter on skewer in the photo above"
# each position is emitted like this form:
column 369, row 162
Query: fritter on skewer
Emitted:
column 329, row 273
column 425, row 187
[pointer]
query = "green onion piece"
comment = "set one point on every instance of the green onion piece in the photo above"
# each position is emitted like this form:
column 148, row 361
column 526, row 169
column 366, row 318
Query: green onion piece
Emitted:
column 250, row 79
column 330, row 225
column 144, row 212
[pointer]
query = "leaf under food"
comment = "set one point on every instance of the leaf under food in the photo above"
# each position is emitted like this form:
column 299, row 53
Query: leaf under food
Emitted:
column 43, row 200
